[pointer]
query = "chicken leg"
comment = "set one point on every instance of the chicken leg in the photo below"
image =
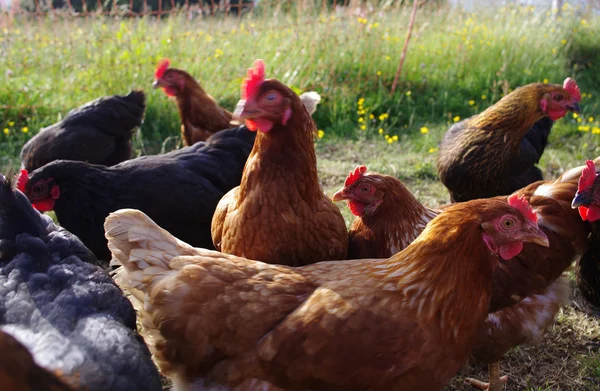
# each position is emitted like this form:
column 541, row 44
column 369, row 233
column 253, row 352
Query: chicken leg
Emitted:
column 496, row 381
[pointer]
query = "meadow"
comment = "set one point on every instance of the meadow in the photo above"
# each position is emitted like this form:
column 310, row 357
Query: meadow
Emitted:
column 457, row 65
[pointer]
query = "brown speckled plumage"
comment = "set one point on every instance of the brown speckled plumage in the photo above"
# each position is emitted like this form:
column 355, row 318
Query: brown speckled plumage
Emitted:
column 485, row 155
column 386, row 324
column 279, row 214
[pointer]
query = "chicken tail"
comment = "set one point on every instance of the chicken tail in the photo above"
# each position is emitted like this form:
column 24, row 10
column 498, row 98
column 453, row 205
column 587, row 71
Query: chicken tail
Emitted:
column 142, row 248
column 310, row 99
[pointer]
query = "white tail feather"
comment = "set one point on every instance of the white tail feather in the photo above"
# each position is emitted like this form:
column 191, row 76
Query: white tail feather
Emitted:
column 143, row 249
column 310, row 99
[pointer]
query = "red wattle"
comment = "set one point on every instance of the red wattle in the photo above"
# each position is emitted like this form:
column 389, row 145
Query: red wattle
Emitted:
column 583, row 212
column 357, row 208
column 44, row 205
column 510, row 250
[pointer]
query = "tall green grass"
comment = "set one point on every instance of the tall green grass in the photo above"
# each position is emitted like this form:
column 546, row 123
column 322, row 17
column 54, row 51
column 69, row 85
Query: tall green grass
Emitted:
column 457, row 65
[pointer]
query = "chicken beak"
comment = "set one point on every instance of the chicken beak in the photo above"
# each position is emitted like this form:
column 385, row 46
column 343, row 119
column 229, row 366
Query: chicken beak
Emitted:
column 581, row 199
column 536, row 235
column 157, row 84
column 574, row 107
column 340, row 195
column 246, row 110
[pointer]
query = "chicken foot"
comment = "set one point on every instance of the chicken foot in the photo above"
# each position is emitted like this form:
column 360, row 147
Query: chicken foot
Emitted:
column 496, row 381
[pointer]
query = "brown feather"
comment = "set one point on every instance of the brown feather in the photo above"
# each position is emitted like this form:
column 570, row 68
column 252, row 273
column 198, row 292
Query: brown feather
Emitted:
column 279, row 214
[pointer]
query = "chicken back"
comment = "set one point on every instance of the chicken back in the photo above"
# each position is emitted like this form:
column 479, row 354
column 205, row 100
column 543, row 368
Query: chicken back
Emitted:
column 98, row 132
column 65, row 310
column 378, row 324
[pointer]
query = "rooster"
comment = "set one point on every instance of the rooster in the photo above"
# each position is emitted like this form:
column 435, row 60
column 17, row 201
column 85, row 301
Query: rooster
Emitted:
column 587, row 201
column 278, row 213
column 214, row 319
column 98, row 132
column 63, row 308
column 179, row 189
column 495, row 152
column 201, row 116
column 532, row 278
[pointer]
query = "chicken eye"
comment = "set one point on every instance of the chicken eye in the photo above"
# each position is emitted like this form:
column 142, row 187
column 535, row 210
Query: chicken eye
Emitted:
column 271, row 97
column 558, row 97
column 365, row 189
column 37, row 189
column 508, row 223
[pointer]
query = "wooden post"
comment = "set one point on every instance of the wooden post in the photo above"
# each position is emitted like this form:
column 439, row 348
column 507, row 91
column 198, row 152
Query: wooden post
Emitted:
column 413, row 15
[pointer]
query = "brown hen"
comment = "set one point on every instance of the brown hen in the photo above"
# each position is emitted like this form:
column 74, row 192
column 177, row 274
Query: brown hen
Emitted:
column 213, row 319
column 201, row 116
column 532, row 276
column 388, row 216
column 494, row 153
column 278, row 214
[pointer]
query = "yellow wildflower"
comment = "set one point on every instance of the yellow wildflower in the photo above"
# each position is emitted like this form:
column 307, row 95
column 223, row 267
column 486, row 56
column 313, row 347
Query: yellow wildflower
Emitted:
column 361, row 119
column 387, row 58
column 361, row 101
column 383, row 116
column 591, row 119
column 471, row 102
column 11, row 123
column 582, row 128
column 380, row 130
column 563, row 41
column 554, row 50
column 596, row 130
column 432, row 150
column 395, row 138
column 6, row 131
column 371, row 116
column 583, row 94
column 545, row 81
column 390, row 140
column 579, row 120
column 378, row 73
column 408, row 93
column 424, row 130
column 456, row 119
column 363, row 127
column 483, row 97
column 320, row 133
column 575, row 115
column 25, row 129
column 589, row 95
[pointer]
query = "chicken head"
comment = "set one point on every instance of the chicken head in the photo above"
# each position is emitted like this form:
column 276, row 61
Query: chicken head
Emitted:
column 587, row 198
column 506, row 234
column 361, row 191
column 264, row 103
column 171, row 80
column 42, row 192
column 557, row 101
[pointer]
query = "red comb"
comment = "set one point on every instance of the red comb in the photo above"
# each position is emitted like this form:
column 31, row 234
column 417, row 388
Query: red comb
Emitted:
column 161, row 67
column 572, row 88
column 254, row 79
column 23, row 178
column 354, row 175
column 588, row 176
column 522, row 205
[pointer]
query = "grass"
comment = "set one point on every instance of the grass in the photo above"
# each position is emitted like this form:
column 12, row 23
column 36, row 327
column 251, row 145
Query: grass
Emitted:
column 457, row 65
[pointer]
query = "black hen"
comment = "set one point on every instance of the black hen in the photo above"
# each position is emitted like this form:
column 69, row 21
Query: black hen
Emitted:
column 66, row 311
column 179, row 190
column 98, row 132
